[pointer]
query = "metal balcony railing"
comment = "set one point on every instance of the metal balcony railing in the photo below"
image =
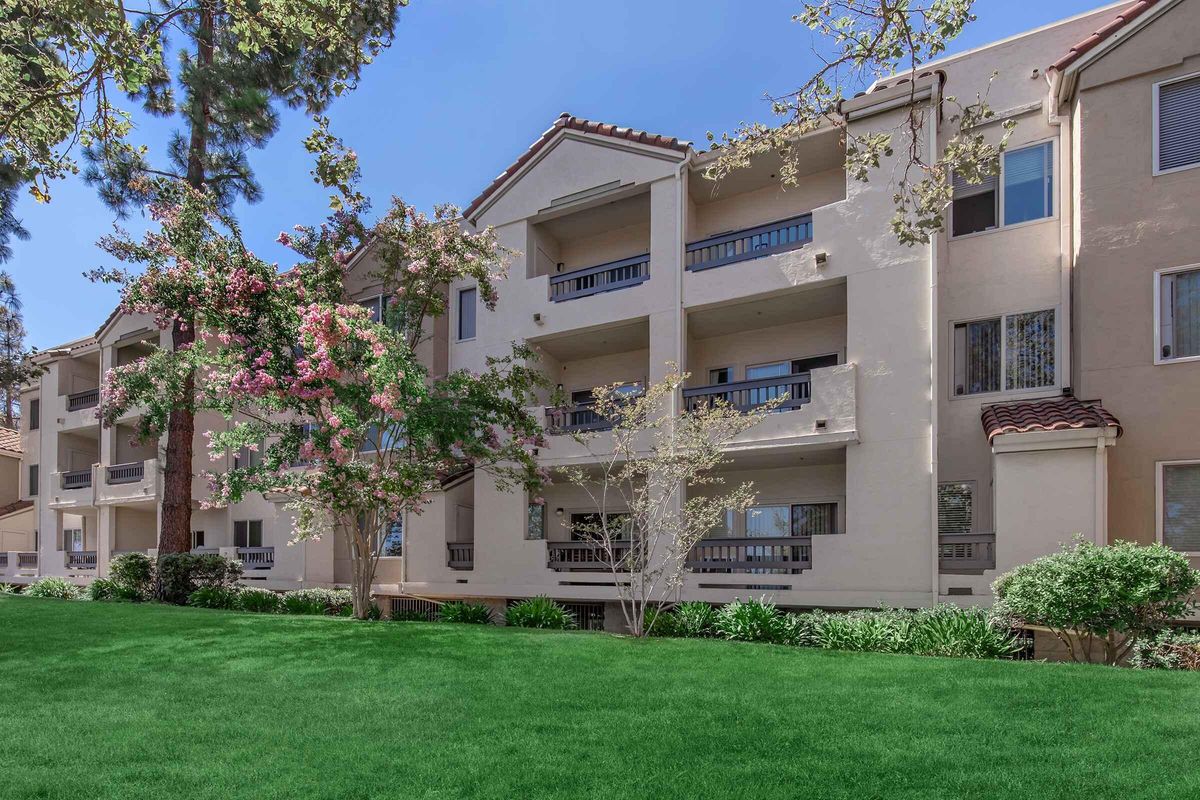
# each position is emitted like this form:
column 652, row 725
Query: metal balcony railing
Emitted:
column 743, row 245
column 601, row 278
column 748, row 395
column 88, row 398
column 752, row 554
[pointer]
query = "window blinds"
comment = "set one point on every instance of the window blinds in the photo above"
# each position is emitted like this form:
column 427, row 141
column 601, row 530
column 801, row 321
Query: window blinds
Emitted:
column 954, row 507
column 1179, row 124
column 1181, row 507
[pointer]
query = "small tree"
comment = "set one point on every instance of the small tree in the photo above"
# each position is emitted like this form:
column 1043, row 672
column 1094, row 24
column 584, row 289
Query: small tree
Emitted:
column 1088, row 595
column 650, row 458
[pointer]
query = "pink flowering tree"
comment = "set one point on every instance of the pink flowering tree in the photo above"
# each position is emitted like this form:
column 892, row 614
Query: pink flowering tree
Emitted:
column 353, row 430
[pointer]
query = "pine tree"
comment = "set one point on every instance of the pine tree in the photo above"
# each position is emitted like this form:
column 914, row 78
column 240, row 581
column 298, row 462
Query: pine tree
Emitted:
column 13, row 363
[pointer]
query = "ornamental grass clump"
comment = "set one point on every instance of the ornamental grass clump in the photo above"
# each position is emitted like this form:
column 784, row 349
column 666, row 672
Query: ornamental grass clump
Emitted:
column 258, row 600
column 329, row 602
column 58, row 588
column 469, row 613
column 539, row 612
column 221, row 597
column 749, row 621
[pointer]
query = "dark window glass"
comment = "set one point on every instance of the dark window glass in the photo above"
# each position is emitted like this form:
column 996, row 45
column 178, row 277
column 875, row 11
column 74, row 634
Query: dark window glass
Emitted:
column 466, row 314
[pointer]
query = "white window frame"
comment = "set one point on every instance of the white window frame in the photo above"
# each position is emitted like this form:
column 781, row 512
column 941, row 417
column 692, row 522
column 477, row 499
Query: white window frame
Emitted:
column 1158, row 322
column 1154, row 129
column 1160, row 500
column 458, row 312
column 1003, row 316
column 1000, row 226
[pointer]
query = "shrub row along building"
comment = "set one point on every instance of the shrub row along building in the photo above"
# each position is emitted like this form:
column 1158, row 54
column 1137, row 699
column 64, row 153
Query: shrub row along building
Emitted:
column 953, row 407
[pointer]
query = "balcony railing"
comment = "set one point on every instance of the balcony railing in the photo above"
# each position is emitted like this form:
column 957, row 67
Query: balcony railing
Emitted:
column 748, row 395
column 27, row 560
column 82, row 559
column 584, row 556
column 460, row 555
column 966, row 552
column 743, row 245
column 602, row 278
column 256, row 557
column 125, row 473
column 576, row 418
column 88, row 398
column 790, row 553
column 77, row 479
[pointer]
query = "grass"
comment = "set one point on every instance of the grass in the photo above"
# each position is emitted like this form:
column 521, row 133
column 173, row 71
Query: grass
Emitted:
column 105, row 700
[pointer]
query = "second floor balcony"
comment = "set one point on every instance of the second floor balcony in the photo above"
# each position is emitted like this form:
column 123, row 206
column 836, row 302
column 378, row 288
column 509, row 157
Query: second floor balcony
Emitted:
column 749, row 243
column 608, row 277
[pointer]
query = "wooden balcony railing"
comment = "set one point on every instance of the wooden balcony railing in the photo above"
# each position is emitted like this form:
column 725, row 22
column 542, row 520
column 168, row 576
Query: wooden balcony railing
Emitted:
column 83, row 559
column 27, row 560
column 601, row 278
column 576, row 418
column 791, row 553
column 125, row 473
column 4, row 560
column 584, row 556
column 460, row 555
column 77, row 479
column 256, row 557
column 88, row 398
column 743, row 245
column 966, row 552
column 748, row 395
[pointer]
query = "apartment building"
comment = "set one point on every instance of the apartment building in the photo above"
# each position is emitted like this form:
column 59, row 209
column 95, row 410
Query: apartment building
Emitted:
column 953, row 408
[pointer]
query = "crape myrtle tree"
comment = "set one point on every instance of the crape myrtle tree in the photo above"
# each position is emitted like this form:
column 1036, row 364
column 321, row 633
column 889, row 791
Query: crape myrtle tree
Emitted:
column 649, row 458
column 857, row 42
column 352, row 430
column 72, row 71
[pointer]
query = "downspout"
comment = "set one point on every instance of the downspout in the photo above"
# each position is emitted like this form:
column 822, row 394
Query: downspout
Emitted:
column 1101, row 492
column 1066, row 211
column 680, row 332
column 935, row 100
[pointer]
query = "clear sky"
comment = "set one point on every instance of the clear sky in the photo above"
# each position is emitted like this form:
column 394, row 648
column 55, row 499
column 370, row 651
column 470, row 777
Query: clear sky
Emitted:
column 465, row 88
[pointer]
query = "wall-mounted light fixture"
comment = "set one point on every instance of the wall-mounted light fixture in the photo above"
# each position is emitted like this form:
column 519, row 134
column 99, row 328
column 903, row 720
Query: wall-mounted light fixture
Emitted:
column 558, row 512
column 822, row 259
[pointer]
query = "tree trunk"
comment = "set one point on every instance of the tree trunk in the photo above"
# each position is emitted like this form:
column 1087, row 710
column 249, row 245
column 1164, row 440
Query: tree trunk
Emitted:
column 176, row 533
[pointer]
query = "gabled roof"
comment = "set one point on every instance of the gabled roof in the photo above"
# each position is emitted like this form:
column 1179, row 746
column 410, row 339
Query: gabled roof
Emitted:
column 1054, row 414
column 1104, row 33
column 567, row 122
column 10, row 442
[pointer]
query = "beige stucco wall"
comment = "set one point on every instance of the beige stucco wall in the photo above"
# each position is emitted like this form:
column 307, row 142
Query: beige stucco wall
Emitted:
column 17, row 530
column 1133, row 223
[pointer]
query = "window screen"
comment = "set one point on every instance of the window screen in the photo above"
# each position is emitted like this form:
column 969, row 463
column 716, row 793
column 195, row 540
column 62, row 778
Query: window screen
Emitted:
column 1181, row 507
column 1028, row 183
column 1179, row 124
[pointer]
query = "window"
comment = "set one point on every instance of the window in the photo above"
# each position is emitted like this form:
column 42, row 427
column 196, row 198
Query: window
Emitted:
column 1022, row 358
column 772, row 370
column 248, row 457
column 1177, row 124
column 35, row 414
column 1028, row 183
column 73, row 540
column 590, row 527
column 716, row 377
column 723, row 529
column 247, row 533
column 1024, row 190
column 814, row 519
column 377, row 306
column 1178, row 300
column 1179, row 505
column 197, row 539
column 391, row 538
column 466, row 314
column 33, row 479
column 535, row 521
column 768, row 521
column 955, row 507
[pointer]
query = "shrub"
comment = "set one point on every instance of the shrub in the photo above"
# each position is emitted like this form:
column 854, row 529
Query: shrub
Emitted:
column 258, row 600
column 1088, row 594
column 101, row 589
column 880, row 631
column 59, row 588
column 332, row 602
column 9, row 588
column 539, row 612
column 1169, row 649
column 409, row 615
column 374, row 612
column 470, row 613
column 955, row 632
column 214, row 597
column 181, row 574
column 800, row 630
column 132, row 575
column 749, row 621
column 660, row 622
column 693, row 619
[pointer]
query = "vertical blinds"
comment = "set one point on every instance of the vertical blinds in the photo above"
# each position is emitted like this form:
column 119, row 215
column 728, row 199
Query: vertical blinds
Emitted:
column 1181, row 507
column 1179, row 124
column 814, row 519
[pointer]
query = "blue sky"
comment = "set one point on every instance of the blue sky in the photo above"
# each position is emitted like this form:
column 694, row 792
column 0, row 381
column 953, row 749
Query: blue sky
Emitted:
column 466, row 87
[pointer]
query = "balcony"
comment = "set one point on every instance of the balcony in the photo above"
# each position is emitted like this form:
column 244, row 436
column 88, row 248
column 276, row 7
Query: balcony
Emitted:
column 791, row 554
column 128, row 482
column 16, row 563
column 256, row 558
column 88, row 398
column 746, row 396
column 966, row 553
column 76, row 479
column 584, row 556
column 460, row 555
column 602, row 278
column 575, row 418
column 749, row 243
column 81, row 559
column 125, row 473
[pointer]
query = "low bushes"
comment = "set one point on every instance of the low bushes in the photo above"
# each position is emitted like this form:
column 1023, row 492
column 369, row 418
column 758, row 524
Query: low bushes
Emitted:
column 224, row 597
column 331, row 602
column 539, row 612
column 59, row 588
column 181, row 574
column 132, row 576
column 260, row 601
column 469, row 613
column 1168, row 649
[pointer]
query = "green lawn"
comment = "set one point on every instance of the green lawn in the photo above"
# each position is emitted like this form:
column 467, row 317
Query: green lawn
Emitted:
column 102, row 700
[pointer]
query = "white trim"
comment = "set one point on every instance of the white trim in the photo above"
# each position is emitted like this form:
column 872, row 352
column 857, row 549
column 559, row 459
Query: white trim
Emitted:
column 1009, row 394
column 1000, row 224
column 1154, row 170
column 1159, row 500
column 1158, row 276
column 456, row 313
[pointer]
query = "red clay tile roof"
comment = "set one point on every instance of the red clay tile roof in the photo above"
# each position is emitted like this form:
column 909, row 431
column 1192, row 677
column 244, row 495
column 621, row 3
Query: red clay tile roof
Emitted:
column 566, row 121
column 15, row 506
column 10, row 440
column 1127, row 15
column 1055, row 414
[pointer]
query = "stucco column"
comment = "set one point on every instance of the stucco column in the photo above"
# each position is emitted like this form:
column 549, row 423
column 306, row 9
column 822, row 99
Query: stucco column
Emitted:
column 106, row 534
